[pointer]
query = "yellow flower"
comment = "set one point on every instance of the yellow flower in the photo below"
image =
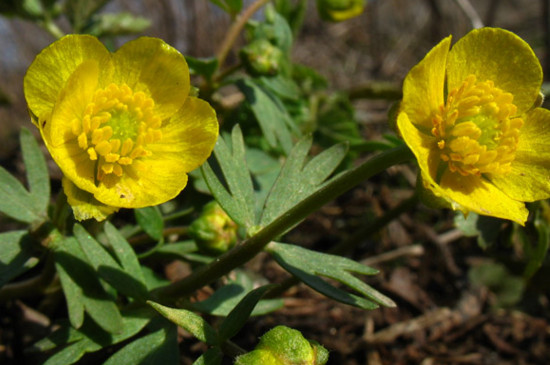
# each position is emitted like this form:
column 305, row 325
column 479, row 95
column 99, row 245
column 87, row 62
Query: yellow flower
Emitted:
column 121, row 126
column 470, row 116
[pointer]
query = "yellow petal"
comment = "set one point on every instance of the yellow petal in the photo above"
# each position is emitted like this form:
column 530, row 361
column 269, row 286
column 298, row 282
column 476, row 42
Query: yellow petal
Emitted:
column 84, row 205
column 475, row 194
column 529, row 179
column 50, row 70
column 423, row 88
column 189, row 136
column 497, row 55
column 155, row 68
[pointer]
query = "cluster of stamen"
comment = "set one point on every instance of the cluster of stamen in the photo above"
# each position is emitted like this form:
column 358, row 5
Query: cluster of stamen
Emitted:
column 115, row 129
column 477, row 129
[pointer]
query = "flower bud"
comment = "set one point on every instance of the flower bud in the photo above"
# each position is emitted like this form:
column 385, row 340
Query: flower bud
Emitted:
column 339, row 10
column 285, row 346
column 261, row 58
column 214, row 231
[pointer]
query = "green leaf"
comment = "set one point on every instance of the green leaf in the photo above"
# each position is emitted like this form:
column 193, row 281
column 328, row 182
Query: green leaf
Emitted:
column 190, row 321
column 17, row 255
column 211, row 357
column 309, row 266
column 282, row 86
column 72, row 353
column 124, row 253
column 239, row 203
column 37, row 172
column 298, row 179
column 15, row 200
column 204, row 67
column 274, row 120
column 536, row 257
column 485, row 228
column 150, row 220
column 83, row 289
column 240, row 314
column 224, row 300
column 106, row 266
column 109, row 24
column 159, row 347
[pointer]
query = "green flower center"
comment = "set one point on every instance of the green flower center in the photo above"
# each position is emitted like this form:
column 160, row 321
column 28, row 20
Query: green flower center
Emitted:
column 116, row 127
column 477, row 129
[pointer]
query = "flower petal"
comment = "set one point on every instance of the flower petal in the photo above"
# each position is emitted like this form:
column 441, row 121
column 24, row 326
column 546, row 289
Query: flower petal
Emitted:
column 155, row 183
column 57, row 133
column 152, row 66
column 84, row 205
column 529, row 179
column 50, row 70
column 475, row 194
column 497, row 55
column 423, row 88
column 189, row 136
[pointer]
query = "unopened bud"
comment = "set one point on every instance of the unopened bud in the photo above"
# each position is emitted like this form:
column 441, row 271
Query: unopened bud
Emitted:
column 339, row 10
column 262, row 58
column 214, row 231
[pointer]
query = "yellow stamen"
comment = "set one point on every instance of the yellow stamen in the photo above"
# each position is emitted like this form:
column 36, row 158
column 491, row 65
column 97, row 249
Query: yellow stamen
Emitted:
column 477, row 129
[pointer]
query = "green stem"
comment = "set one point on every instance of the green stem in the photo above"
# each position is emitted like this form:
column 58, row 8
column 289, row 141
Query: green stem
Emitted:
column 236, row 29
column 252, row 246
column 52, row 28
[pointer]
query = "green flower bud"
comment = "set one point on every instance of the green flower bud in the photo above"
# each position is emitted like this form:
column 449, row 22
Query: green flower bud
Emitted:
column 339, row 10
column 214, row 231
column 285, row 346
column 261, row 58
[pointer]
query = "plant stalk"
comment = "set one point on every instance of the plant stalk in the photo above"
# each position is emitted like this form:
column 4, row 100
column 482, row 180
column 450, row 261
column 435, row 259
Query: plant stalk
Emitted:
column 255, row 244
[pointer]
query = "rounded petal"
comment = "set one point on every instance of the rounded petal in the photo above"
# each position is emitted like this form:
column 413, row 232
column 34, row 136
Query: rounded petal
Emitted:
column 50, row 70
column 422, row 145
column 57, row 132
column 497, row 55
column 423, row 87
column 475, row 194
column 84, row 205
column 152, row 66
column 189, row 136
column 529, row 179
column 155, row 183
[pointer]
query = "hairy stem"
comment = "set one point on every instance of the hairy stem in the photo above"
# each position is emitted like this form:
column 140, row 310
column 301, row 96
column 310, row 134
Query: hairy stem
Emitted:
column 252, row 246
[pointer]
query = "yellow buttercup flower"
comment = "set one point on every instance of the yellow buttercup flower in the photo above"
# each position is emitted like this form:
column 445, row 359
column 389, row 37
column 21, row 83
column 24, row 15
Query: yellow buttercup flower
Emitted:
column 121, row 126
column 470, row 116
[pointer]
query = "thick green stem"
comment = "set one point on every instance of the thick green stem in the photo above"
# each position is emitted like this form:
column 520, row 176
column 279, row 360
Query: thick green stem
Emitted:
column 252, row 246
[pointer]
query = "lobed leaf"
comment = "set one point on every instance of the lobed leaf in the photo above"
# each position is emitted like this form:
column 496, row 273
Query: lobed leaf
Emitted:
column 190, row 321
column 17, row 255
column 236, row 319
column 308, row 265
column 298, row 179
column 238, row 202
column 37, row 172
column 83, row 289
column 150, row 220
column 107, row 268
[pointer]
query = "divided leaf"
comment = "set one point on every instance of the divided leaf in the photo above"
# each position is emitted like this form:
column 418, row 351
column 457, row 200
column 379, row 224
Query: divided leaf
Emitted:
column 17, row 255
column 310, row 266
column 107, row 267
column 190, row 321
column 238, row 203
column 298, row 179
column 83, row 289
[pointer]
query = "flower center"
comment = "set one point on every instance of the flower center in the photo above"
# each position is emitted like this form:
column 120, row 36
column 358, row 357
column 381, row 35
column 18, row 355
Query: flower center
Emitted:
column 477, row 129
column 115, row 129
